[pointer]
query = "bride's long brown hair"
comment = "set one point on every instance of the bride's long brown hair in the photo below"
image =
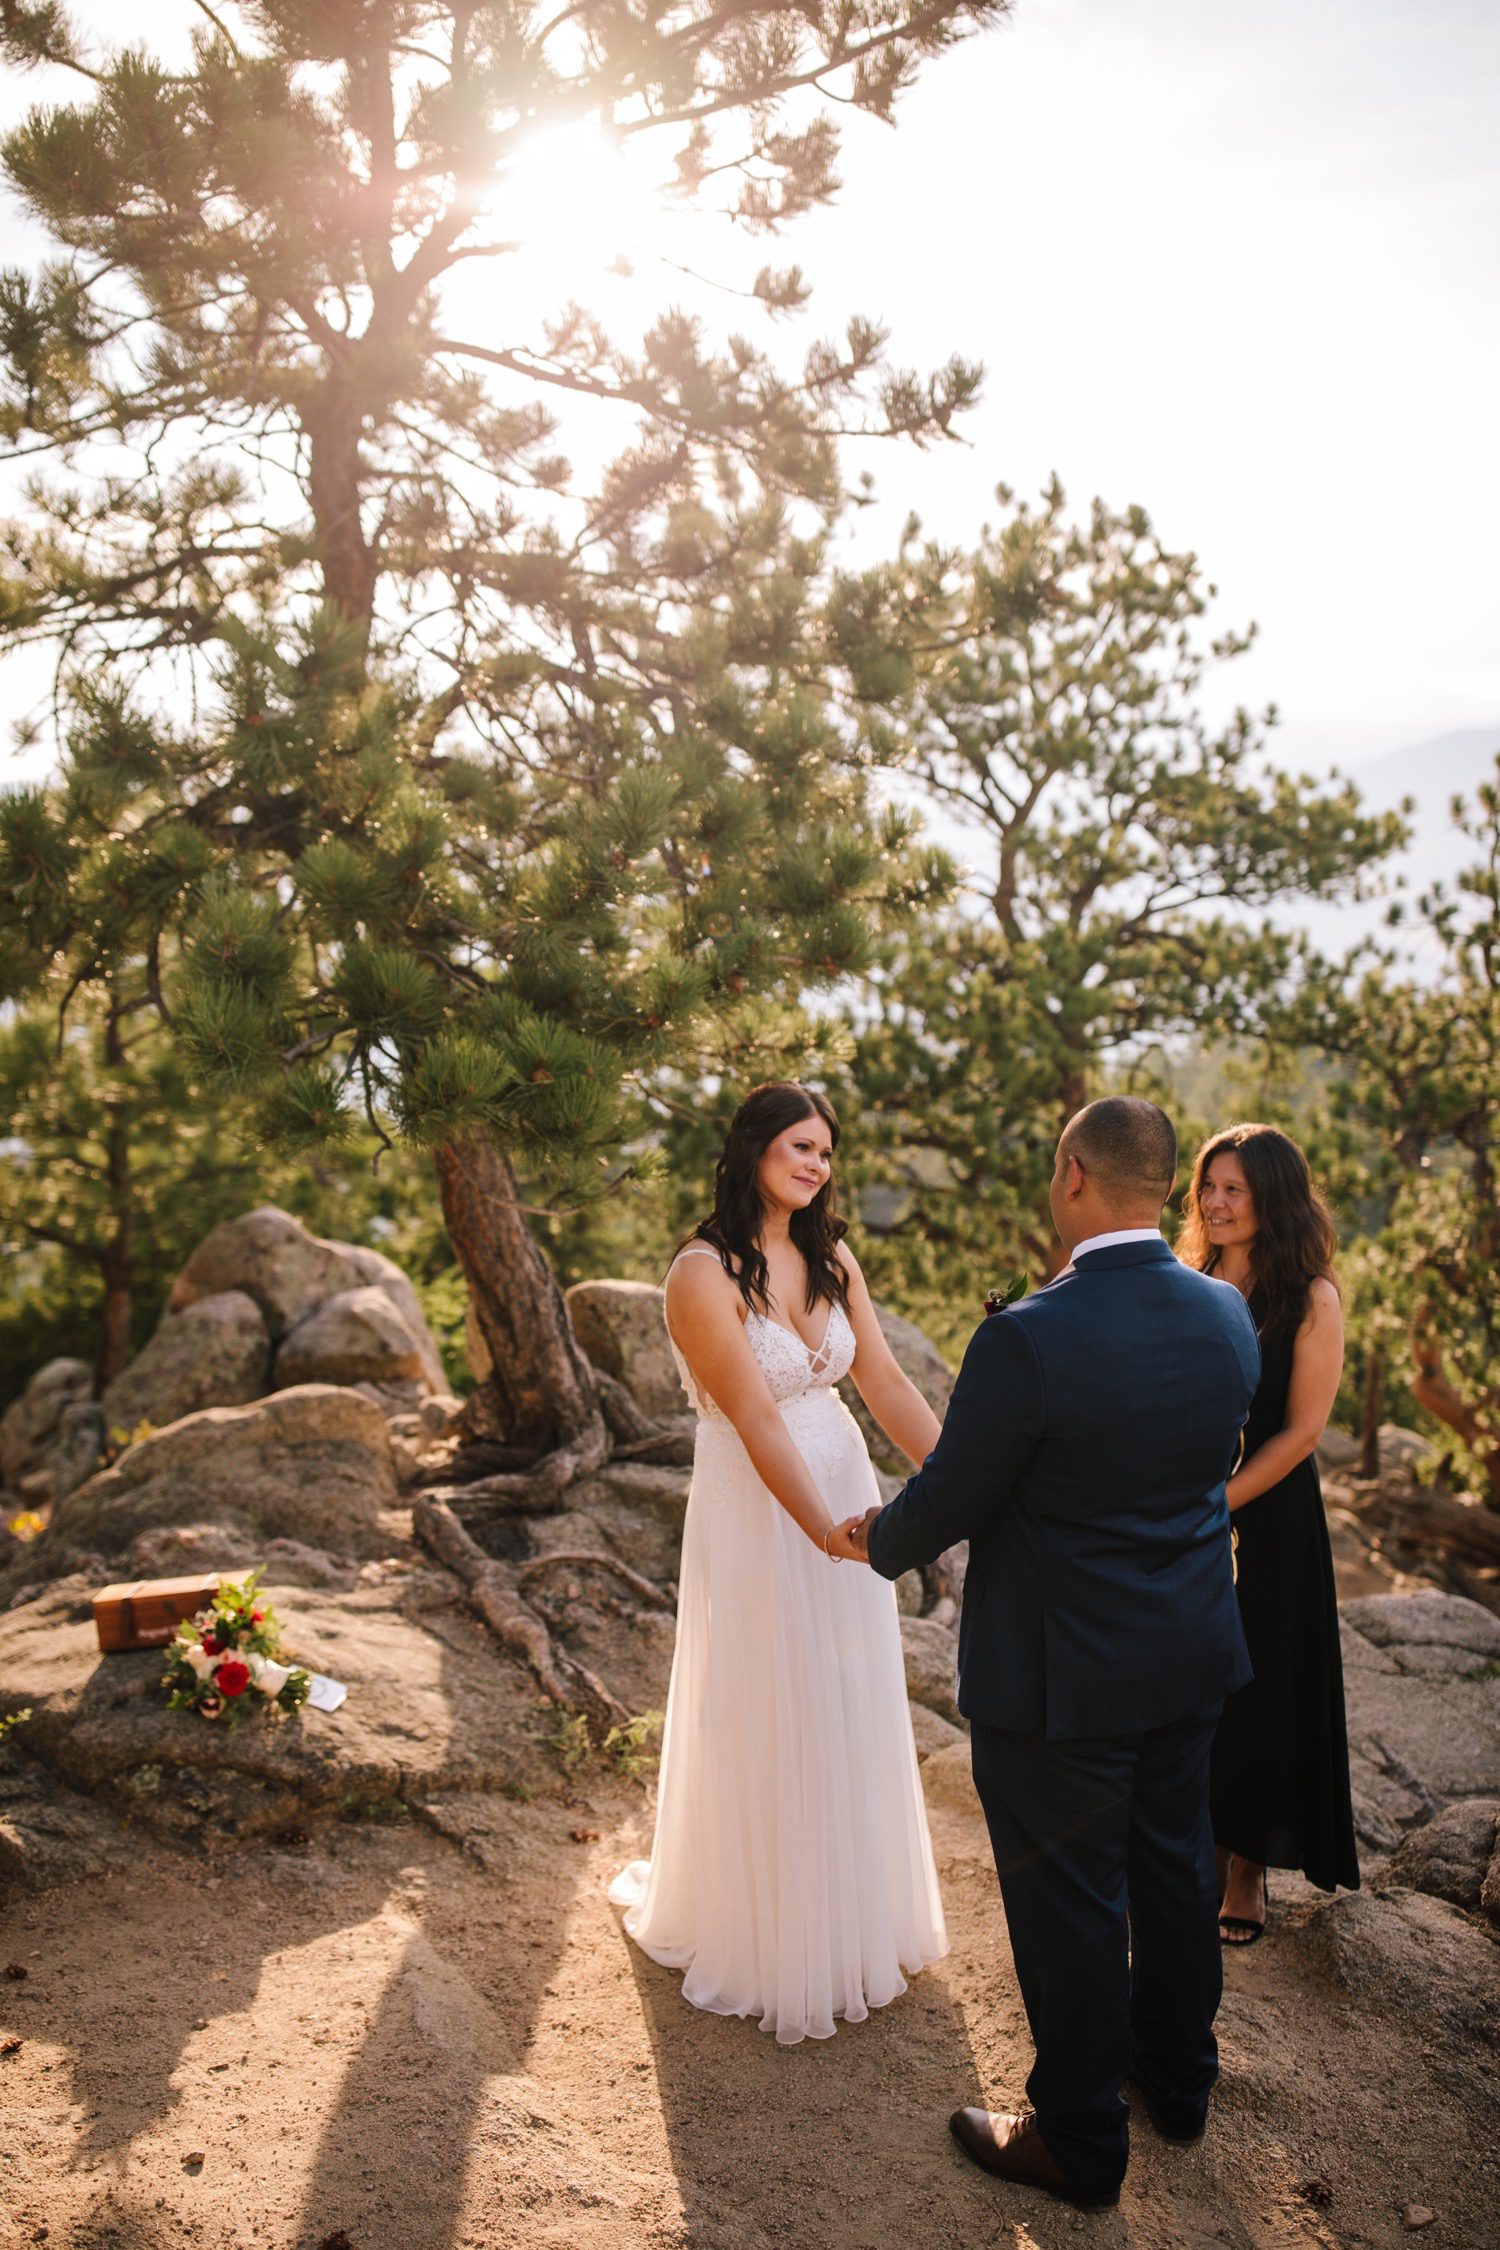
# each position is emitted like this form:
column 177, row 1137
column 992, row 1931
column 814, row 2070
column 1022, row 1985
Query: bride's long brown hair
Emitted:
column 733, row 1226
column 1295, row 1237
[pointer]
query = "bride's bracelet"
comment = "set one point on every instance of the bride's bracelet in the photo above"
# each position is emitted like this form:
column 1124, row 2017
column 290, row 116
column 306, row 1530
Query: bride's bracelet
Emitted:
column 832, row 1557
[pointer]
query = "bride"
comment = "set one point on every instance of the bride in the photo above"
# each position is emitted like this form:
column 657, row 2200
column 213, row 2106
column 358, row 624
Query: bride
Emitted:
column 791, row 1875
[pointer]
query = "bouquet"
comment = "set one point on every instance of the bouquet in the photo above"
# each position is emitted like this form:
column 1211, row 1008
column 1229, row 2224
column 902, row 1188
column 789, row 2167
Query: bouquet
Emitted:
column 227, row 1649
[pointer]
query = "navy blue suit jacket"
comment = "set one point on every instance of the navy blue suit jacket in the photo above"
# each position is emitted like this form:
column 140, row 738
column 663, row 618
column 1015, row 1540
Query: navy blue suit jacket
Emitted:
column 1084, row 1457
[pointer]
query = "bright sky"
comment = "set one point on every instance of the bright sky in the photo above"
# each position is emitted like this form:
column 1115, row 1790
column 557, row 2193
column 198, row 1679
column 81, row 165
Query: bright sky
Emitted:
column 1238, row 263
column 1241, row 264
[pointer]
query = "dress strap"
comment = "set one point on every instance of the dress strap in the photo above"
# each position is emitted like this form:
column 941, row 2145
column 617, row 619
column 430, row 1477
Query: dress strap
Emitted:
column 698, row 1250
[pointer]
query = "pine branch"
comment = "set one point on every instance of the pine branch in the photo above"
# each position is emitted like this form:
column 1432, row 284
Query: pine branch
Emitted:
column 75, row 1245
column 221, row 28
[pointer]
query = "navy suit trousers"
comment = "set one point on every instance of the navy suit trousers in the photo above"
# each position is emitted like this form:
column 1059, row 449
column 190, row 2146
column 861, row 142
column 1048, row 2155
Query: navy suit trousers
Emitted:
column 1106, row 1864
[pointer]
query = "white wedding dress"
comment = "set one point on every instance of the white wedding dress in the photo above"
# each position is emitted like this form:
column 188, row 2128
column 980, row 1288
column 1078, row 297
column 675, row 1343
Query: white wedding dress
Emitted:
column 791, row 1876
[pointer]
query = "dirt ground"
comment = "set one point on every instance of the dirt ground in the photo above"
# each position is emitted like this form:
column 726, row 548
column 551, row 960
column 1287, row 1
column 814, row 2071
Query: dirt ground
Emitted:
column 370, row 2041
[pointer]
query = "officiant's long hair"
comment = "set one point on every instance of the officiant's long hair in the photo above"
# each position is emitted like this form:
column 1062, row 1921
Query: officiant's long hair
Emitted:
column 1295, row 1237
column 733, row 1226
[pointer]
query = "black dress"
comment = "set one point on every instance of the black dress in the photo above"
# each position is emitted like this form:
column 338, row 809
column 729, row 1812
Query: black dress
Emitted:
column 1280, row 1773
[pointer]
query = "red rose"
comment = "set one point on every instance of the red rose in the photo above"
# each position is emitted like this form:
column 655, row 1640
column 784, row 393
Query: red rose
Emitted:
column 211, row 1647
column 256, row 1615
column 232, row 1677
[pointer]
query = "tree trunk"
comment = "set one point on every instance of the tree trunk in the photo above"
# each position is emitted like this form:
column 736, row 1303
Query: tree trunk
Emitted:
column 537, row 1404
column 539, row 1396
column 1369, row 1428
column 116, row 1262
column 335, row 482
column 1433, row 1390
column 113, row 1355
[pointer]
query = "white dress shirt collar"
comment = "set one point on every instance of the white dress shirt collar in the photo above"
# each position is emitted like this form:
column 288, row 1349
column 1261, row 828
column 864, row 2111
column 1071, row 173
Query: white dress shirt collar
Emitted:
column 1108, row 1241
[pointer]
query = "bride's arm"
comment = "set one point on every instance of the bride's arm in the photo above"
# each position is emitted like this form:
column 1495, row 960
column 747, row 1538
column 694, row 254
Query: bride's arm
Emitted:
column 894, row 1400
column 703, row 1314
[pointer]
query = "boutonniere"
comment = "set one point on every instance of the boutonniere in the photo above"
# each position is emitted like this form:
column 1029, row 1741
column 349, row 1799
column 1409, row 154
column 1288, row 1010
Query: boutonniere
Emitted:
column 1009, row 1294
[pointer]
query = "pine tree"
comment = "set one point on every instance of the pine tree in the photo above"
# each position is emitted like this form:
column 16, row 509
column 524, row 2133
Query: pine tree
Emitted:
column 1046, row 691
column 1420, row 1077
column 119, row 1152
column 113, row 1159
column 492, row 791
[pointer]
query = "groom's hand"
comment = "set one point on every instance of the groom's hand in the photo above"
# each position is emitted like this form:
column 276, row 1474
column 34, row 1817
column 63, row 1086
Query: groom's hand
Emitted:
column 860, row 1533
column 845, row 1543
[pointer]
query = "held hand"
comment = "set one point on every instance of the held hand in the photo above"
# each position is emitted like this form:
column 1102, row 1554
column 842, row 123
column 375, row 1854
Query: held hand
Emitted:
column 844, row 1542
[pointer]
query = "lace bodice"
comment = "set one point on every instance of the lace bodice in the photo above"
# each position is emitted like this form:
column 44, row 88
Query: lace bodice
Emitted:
column 792, row 1369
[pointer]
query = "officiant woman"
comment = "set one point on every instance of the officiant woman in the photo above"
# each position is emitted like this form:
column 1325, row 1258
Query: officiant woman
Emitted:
column 1280, row 1771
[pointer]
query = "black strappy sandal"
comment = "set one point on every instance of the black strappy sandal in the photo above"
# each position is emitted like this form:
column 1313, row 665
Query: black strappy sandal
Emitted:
column 1245, row 1930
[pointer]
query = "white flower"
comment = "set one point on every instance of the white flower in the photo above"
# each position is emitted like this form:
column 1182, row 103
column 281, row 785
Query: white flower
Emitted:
column 269, row 1678
column 200, row 1660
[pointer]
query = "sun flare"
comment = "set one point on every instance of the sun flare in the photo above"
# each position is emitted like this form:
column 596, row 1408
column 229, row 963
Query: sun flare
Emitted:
column 577, row 200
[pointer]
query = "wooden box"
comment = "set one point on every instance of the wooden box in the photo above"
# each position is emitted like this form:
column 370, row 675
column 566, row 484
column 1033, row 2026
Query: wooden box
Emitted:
column 146, row 1612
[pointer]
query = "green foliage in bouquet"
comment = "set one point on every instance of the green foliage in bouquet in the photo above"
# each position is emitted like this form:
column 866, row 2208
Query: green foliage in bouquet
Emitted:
column 227, row 1650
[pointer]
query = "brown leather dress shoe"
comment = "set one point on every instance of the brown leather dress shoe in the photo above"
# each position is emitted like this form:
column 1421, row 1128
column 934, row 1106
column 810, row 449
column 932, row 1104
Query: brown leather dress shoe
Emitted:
column 1011, row 2147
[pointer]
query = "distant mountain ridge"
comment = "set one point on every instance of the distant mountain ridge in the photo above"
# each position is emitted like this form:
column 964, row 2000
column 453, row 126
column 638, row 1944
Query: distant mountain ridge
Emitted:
column 1432, row 774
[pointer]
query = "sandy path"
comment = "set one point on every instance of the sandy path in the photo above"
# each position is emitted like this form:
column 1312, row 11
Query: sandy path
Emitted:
column 374, row 2040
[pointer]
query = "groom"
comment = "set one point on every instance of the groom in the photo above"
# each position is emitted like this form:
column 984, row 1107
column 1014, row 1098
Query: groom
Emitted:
column 1083, row 1457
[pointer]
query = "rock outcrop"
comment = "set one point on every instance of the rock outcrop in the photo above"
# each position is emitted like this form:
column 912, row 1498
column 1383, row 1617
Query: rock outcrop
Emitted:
column 212, row 1353
column 261, row 1305
column 355, row 1336
column 621, row 1328
column 270, row 1256
column 49, row 1835
column 1456, row 1856
column 33, row 1426
column 312, row 1464
column 931, row 1653
column 1422, row 1683
column 429, row 1709
column 1403, row 1953
column 79, row 1448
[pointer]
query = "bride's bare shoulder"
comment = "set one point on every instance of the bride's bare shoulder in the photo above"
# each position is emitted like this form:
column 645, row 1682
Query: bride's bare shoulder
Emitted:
column 697, row 1276
column 849, row 1266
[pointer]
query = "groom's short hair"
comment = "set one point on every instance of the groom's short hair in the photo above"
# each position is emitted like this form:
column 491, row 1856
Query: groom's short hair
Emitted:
column 1128, row 1145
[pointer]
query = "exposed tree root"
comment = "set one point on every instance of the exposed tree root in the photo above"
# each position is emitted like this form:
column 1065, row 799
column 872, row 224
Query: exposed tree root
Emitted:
column 672, row 1450
column 1435, row 1519
column 539, row 1490
column 635, row 1434
column 619, row 1432
column 493, row 1589
column 477, row 1457
column 578, row 1559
